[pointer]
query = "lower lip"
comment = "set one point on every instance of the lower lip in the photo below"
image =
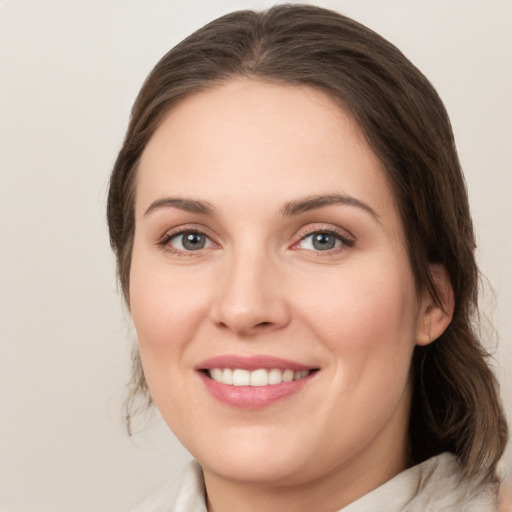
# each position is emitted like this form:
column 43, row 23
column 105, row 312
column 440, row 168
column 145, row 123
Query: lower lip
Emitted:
column 253, row 397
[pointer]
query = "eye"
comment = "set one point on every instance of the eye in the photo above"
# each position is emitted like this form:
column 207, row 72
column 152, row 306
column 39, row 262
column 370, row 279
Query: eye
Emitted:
column 323, row 241
column 188, row 241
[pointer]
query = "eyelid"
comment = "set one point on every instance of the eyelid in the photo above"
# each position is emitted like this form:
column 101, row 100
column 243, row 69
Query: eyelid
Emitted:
column 163, row 241
column 346, row 238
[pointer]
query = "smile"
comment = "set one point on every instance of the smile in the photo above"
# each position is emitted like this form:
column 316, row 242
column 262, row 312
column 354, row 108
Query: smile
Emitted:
column 254, row 382
column 257, row 378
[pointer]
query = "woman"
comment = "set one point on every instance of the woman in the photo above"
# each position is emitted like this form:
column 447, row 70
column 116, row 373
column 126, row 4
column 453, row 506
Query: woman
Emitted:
column 295, row 246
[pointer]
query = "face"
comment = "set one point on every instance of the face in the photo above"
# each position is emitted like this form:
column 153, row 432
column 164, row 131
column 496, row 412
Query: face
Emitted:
column 270, row 287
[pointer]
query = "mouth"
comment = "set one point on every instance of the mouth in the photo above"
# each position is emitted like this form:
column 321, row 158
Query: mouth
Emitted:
column 256, row 378
column 254, row 382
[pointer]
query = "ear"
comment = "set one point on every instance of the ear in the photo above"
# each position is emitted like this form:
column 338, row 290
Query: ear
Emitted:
column 433, row 318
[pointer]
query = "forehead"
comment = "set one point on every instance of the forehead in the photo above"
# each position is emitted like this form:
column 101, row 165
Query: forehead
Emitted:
column 259, row 142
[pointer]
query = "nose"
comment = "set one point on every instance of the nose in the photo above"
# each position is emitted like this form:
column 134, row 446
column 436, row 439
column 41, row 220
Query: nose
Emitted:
column 250, row 298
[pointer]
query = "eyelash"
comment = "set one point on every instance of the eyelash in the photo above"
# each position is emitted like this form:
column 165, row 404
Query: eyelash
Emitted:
column 165, row 241
column 338, row 235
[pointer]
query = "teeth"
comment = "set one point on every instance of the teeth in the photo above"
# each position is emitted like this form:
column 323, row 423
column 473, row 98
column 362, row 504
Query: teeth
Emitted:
column 300, row 375
column 241, row 378
column 216, row 374
column 275, row 376
column 261, row 377
column 288, row 375
column 227, row 376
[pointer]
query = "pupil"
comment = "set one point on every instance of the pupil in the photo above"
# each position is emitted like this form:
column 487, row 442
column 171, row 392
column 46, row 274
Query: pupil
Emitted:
column 193, row 241
column 323, row 241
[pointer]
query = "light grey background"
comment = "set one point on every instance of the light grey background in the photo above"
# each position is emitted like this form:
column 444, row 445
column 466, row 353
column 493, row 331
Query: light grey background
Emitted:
column 69, row 71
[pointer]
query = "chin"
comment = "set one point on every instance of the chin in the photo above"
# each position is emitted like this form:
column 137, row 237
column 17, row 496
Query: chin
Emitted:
column 257, row 457
column 263, row 470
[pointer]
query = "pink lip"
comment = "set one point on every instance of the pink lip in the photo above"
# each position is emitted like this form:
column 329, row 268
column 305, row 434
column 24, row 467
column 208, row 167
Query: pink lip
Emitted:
column 250, row 397
column 250, row 363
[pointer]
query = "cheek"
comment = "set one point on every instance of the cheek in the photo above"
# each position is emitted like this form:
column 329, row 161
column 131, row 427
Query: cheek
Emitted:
column 167, row 308
column 167, row 311
column 367, row 320
column 360, row 300
column 367, row 324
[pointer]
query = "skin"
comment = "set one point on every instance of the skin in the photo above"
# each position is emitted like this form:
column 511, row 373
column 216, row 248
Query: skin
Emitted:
column 247, row 149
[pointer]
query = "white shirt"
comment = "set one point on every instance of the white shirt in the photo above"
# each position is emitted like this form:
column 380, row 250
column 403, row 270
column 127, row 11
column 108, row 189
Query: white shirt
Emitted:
column 436, row 485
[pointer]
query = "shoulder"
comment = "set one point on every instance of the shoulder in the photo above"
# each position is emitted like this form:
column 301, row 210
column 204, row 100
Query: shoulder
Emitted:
column 443, row 487
column 185, row 492
column 436, row 485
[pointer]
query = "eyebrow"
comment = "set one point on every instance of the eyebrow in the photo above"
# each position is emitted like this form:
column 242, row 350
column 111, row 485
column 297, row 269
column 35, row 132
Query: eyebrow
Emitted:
column 188, row 205
column 306, row 204
column 295, row 207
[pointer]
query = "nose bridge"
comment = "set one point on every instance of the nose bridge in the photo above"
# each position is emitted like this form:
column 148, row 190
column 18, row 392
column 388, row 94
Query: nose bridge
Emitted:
column 249, row 296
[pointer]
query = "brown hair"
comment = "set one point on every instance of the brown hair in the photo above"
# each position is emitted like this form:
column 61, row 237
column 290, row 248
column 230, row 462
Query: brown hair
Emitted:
column 455, row 405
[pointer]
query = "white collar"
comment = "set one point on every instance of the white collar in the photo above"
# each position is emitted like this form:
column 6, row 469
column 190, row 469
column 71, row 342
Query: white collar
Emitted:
column 436, row 485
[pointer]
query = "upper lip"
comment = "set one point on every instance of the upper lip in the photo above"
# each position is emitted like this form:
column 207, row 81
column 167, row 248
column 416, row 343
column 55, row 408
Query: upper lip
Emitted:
column 251, row 363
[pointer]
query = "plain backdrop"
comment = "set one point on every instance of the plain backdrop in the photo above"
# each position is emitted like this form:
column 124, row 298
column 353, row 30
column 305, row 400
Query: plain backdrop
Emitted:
column 69, row 72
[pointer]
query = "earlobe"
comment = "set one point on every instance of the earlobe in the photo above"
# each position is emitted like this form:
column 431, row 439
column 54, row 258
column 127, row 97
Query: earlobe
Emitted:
column 435, row 318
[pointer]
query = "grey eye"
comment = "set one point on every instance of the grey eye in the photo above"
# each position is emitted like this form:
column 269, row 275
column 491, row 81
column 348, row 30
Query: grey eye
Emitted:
column 190, row 241
column 320, row 241
column 323, row 241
